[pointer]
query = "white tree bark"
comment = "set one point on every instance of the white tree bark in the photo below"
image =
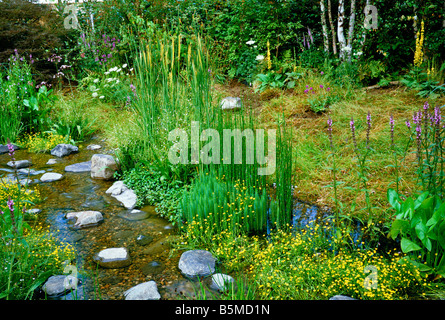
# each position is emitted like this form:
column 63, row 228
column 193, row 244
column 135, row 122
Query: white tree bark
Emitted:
column 363, row 39
column 331, row 23
column 351, row 30
column 340, row 28
column 324, row 26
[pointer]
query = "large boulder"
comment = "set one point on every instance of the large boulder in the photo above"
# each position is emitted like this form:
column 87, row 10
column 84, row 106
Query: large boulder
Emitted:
column 103, row 166
column 197, row 263
column 113, row 258
column 85, row 218
column 143, row 291
column 63, row 149
column 123, row 194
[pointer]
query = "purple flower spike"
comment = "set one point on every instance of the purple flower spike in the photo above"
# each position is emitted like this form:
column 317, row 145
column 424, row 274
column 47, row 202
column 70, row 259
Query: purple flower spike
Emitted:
column 408, row 124
column 11, row 205
column 321, row 86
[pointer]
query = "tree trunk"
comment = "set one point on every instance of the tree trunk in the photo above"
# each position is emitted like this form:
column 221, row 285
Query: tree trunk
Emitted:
column 363, row 39
column 351, row 30
column 331, row 23
column 324, row 26
column 340, row 28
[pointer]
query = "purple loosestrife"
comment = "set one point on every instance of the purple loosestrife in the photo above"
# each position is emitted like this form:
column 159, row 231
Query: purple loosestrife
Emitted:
column 368, row 129
column 330, row 133
column 391, row 126
column 352, row 125
column 419, row 139
column 11, row 209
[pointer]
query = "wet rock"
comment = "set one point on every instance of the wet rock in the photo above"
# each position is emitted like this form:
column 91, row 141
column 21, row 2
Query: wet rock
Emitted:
column 222, row 282
column 157, row 247
column 153, row 267
column 63, row 149
column 94, row 147
column 143, row 240
column 59, row 285
column 134, row 215
column 197, row 263
column 230, row 103
column 121, row 236
column 85, row 218
column 50, row 177
column 143, row 291
column 4, row 148
column 79, row 167
column 30, row 172
column 103, row 166
column 123, row 194
column 341, row 297
column 51, row 161
column 19, row 164
column 113, row 258
column 182, row 288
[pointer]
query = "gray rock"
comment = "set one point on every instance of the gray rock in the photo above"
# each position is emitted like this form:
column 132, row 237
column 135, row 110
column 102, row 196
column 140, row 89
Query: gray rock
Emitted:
column 197, row 263
column 94, row 147
column 222, row 282
column 143, row 240
column 79, row 167
column 113, row 258
column 124, row 195
column 341, row 297
column 63, row 149
column 19, row 164
column 33, row 211
column 30, row 172
column 230, row 103
column 134, row 215
column 59, row 285
column 85, row 218
column 103, row 166
column 52, row 161
column 4, row 148
column 51, row 176
column 143, row 291
column 153, row 267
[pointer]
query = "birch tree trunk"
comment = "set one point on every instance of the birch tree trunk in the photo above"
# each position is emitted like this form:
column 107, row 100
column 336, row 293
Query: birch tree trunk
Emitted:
column 340, row 28
column 331, row 23
column 324, row 26
column 363, row 39
column 351, row 30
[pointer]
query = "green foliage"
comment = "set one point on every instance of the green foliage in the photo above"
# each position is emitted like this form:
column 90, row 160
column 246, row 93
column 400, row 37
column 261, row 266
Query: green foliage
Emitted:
column 420, row 223
column 419, row 80
column 277, row 80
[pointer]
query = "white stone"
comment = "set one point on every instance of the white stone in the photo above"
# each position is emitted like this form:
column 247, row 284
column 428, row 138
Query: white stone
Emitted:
column 143, row 291
column 85, row 218
column 231, row 103
column 103, row 166
column 19, row 164
column 94, row 147
column 124, row 195
column 113, row 253
column 51, row 176
column 222, row 282
column 52, row 161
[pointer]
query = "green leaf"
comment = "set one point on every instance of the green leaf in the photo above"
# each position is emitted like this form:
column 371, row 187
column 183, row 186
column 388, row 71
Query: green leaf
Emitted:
column 398, row 226
column 408, row 246
column 393, row 199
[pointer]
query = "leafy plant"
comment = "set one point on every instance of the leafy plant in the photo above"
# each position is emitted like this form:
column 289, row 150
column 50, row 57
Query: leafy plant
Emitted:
column 420, row 223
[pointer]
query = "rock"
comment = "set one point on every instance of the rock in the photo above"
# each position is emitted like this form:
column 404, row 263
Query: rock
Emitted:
column 103, row 166
column 19, row 164
column 341, row 297
column 157, row 247
column 222, row 282
column 143, row 291
column 134, row 215
column 124, row 195
column 52, row 161
column 4, row 148
column 30, row 172
column 231, row 103
column 197, row 263
column 143, row 240
column 63, row 149
column 152, row 267
column 85, row 218
column 79, row 167
column 113, row 258
column 59, row 285
column 50, row 177
column 33, row 211
column 94, row 147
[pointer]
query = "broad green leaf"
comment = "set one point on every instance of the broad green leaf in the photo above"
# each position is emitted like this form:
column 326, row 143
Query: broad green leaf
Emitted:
column 393, row 199
column 420, row 199
column 408, row 246
column 397, row 227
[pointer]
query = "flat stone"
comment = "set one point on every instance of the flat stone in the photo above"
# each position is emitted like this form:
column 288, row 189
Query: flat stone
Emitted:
column 79, row 167
column 157, row 247
column 153, row 267
column 113, row 258
column 222, row 282
column 30, row 172
column 59, row 285
column 197, row 263
column 143, row 240
column 4, row 148
column 85, row 218
column 123, row 194
column 134, row 215
column 143, row 291
column 63, row 149
column 103, row 166
column 51, row 161
column 231, row 103
column 94, row 147
column 19, row 164
column 51, row 176
column 341, row 297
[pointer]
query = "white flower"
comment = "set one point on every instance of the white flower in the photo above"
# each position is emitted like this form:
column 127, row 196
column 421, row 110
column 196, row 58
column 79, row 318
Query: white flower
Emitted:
column 95, row 94
column 107, row 73
column 250, row 42
column 119, row 70
column 113, row 69
column 131, row 69
column 259, row 57
column 110, row 79
column 96, row 80
column 348, row 48
column 101, row 97
column 117, row 81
